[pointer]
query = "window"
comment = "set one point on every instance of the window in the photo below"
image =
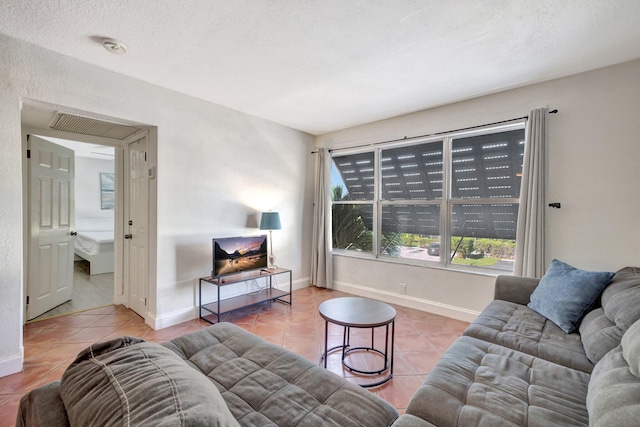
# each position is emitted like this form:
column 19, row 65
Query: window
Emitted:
column 352, row 193
column 449, row 200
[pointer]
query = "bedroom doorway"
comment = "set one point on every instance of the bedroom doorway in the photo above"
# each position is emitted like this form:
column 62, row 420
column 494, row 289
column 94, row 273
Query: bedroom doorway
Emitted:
column 75, row 267
column 133, row 289
column 89, row 130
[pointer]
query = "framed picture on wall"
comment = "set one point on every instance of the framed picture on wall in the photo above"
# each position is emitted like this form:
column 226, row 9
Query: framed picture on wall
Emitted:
column 107, row 190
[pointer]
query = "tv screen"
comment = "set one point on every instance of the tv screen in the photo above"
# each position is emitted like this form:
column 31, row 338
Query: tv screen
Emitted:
column 238, row 254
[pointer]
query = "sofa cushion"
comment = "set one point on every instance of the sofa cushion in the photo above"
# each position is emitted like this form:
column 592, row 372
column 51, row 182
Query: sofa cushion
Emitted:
column 477, row 383
column 599, row 335
column 408, row 420
column 518, row 327
column 621, row 299
column 565, row 293
column 127, row 381
column 266, row 385
column 631, row 349
column 614, row 390
column 602, row 328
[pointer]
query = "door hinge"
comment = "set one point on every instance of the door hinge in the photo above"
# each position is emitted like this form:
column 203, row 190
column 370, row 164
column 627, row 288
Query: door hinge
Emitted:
column 27, row 299
column 145, row 302
column 28, row 154
column 145, row 156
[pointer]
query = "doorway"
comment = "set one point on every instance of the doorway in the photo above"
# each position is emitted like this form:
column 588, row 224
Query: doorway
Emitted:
column 47, row 121
column 94, row 194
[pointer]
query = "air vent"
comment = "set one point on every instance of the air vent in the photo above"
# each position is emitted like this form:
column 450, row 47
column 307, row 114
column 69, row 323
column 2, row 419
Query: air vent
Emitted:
column 93, row 127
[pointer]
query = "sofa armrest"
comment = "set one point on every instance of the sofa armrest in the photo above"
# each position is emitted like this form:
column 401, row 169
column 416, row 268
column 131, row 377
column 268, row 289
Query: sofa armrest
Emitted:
column 515, row 288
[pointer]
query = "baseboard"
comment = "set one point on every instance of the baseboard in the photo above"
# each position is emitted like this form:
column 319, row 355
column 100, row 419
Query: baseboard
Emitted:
column 434, row 307
column 295, row 285
column 191, row 313
column 12, row 365
column 172, row 318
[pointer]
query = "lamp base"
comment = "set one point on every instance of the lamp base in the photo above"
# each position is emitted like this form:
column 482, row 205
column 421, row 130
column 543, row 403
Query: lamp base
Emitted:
column 272, row 263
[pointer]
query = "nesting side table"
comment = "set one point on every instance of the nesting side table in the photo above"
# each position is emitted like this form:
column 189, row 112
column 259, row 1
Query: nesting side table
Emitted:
column 356, row 312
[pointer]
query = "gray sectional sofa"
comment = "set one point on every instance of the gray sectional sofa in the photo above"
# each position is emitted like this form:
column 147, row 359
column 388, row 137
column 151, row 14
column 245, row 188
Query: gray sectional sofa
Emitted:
column 511, row 367
column 218, row 376
column 514, row 367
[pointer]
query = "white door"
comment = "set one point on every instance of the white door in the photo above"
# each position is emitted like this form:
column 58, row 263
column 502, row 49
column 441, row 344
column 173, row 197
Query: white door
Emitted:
column 51, row 222
column 136, row 246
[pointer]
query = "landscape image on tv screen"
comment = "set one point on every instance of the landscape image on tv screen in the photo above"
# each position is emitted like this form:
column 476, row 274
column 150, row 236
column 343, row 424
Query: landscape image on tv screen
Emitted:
column 238, row 254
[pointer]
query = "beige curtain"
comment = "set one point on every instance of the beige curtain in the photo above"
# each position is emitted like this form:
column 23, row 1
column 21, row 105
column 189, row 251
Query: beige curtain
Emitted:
column 321, row 259
column 530, row 256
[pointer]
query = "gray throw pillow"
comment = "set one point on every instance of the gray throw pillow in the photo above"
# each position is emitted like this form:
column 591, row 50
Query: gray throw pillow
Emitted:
column 127, row 381
column 565, row 293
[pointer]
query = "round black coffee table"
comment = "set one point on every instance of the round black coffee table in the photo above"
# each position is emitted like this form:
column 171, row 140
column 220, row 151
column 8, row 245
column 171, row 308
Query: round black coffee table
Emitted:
column 356, row 312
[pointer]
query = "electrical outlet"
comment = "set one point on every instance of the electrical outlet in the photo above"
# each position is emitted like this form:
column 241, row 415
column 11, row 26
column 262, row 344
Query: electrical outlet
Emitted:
column 403, row 288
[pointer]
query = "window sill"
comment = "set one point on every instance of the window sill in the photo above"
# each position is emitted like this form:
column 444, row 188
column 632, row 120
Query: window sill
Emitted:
column 424, row 264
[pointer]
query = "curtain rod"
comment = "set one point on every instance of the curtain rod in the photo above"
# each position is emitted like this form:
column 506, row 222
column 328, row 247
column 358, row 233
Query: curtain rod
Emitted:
column 433, row 134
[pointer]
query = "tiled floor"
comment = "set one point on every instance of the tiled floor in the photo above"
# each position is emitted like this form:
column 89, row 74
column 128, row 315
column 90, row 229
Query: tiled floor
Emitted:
column 421, row 338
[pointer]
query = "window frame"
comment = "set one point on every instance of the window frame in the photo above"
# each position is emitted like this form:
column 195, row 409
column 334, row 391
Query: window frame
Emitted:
column 445, row 203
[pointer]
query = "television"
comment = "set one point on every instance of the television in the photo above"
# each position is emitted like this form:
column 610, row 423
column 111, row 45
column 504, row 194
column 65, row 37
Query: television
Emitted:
column 233, row 255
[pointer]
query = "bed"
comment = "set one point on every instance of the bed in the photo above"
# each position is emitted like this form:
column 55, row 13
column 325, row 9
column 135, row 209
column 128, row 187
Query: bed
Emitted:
column 94, row 243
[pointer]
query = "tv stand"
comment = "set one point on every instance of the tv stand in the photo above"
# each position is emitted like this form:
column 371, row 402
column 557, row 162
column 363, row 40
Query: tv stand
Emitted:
column 213, row 310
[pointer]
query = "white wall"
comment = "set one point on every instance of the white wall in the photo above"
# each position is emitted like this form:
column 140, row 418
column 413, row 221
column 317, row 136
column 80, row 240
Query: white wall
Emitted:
column 216, row 170
column 593, row 154
column 87, row 187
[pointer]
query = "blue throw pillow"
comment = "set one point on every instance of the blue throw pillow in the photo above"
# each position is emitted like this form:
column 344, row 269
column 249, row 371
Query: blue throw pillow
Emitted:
column 565, row 293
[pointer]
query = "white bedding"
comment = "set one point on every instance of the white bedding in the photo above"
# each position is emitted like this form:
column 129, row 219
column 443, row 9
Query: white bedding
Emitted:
column 94, row 242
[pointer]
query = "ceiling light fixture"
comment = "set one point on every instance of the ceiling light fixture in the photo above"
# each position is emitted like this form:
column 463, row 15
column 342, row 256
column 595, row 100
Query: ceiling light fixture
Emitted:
column 115, row 46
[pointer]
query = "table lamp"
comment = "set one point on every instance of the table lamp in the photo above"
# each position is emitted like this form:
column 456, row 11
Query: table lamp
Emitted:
column 270, row 221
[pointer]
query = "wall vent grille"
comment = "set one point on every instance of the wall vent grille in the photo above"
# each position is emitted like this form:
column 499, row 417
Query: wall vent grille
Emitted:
column 86, row 126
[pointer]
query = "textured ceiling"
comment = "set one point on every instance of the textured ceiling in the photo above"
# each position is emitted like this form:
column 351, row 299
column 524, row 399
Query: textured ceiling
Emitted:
column 324, row 65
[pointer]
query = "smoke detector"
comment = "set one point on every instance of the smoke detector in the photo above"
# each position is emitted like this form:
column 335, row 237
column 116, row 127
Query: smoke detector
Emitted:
column 115, row 46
